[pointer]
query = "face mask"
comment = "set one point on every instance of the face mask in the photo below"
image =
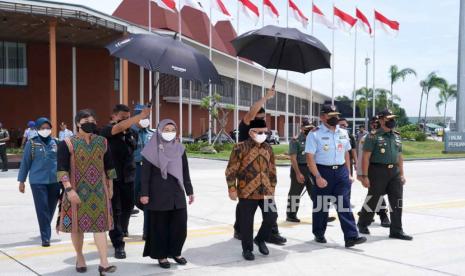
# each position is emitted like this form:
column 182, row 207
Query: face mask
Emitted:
column 44, row 132
column 89, row 127
column 391, row 124
column 144, row 123
column 260, row 138
column 168, row 136
column 332, row 121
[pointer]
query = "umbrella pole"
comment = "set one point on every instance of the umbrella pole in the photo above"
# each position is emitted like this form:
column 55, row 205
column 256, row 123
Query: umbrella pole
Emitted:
column 279, row 62
column 151, row 103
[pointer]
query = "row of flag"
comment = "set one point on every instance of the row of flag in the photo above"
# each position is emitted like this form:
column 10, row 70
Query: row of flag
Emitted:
column 342, row 20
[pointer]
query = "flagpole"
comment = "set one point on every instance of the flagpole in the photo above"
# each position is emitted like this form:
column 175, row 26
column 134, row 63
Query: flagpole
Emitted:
column 236, row 111
column 286, row 123
column 210, row 85
column 263, row 69
column 355, row 79
column 374, row 68
column 311, row 73
column 150, row 71
column 180, row 79
column 333, row 63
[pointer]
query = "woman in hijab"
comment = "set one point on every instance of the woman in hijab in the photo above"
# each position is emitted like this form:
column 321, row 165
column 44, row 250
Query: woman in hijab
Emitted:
column 165, row 182
column 40, row 163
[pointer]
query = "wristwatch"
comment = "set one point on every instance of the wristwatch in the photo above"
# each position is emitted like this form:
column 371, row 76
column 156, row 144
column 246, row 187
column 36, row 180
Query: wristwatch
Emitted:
column 69, row 189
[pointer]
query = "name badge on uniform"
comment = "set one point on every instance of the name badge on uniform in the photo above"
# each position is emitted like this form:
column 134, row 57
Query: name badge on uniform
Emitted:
column 324, row 138
column 326, row 147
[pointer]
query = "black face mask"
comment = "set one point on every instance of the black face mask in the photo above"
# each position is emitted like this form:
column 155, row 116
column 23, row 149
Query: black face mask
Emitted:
column 333, row 121
column 391, row 124
column 306, row 132
column 89, row 127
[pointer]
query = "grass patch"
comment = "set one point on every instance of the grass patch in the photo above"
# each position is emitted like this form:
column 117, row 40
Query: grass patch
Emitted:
column 411, row 150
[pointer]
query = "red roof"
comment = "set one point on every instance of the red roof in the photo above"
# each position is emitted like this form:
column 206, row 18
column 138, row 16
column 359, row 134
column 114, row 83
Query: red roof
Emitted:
column 195, row 24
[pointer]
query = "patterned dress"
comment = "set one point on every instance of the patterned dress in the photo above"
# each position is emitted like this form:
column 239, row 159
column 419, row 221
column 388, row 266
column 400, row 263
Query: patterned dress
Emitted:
column 86, row 167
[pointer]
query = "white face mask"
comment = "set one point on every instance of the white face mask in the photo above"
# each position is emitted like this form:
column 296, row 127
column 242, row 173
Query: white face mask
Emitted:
column 260, row 138
column 168, row 136
column 44, row 132
column 144, row 123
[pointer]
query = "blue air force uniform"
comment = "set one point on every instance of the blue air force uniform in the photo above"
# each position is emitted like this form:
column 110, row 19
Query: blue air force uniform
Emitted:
column 329, row 148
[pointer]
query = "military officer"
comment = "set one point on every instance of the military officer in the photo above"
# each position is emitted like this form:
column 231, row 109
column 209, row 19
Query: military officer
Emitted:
column 383, row 173
column 328, row 160
column 300, row 174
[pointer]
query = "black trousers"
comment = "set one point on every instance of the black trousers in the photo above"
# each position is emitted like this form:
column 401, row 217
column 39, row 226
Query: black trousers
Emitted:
column 247, row 208
column 122, row 204
column 237, row 226
column 3, row 157
column 295, row 191
column 384, row 180
column 167, row 233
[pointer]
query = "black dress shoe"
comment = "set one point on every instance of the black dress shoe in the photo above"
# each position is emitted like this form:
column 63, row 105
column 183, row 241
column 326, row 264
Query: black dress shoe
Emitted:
column 45, row 243
column 180, row 260
column 120, row 253
column 292, row 219
column 248, row 255
column 164, row 264
column 385, row 222
column 363, row 229
column 353, row 241
column 237, row 235
column 320, row 239
column 401, row 236
column 262, row 247
column 125, row 234
column 102, row 270
column 276, row 239
column 331, row 219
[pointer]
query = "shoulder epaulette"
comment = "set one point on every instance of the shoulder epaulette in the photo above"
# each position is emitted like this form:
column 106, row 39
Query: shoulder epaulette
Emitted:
column 396, row 132
column 315, row 129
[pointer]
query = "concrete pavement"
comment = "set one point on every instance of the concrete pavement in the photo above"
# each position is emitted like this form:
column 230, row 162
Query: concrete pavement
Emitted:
column 434, row 214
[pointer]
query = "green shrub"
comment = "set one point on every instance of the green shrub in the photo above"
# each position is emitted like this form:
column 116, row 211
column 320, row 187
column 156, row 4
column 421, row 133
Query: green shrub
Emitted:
column 410, row 127
column 195, row 147
column 413, row 135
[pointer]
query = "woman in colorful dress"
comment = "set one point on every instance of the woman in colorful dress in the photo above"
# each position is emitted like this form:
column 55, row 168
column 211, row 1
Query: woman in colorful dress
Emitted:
column 86, row 171
column 165, row 182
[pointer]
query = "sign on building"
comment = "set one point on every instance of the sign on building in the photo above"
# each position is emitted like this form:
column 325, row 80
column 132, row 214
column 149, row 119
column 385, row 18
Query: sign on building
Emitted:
column 454, row 142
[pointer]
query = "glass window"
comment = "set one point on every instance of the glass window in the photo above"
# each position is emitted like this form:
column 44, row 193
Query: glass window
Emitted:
column 271, row 103
column 281, row 101
column 117, row 76
column 245, row 93
column 305, row 107
column 227, row 90
column 256, row 93
column 298, row 106
column 291, row 104
column 13, row 63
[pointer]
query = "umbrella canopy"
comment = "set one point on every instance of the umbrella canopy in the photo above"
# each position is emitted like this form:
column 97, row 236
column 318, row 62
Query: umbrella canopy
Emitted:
column 165, row 54
column 275, row 47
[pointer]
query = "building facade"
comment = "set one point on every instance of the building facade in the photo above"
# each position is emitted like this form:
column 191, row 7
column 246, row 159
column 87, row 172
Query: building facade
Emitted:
column 53, row 62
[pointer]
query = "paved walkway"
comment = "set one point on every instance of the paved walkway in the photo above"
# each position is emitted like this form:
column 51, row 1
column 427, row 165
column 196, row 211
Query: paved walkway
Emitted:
column 434, row 215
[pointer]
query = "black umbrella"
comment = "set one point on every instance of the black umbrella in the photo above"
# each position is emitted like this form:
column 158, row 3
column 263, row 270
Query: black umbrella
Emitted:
column 165, row 54
column 275, row 47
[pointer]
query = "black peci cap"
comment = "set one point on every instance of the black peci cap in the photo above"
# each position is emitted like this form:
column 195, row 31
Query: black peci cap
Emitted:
column 306, row 123
column 257, row 124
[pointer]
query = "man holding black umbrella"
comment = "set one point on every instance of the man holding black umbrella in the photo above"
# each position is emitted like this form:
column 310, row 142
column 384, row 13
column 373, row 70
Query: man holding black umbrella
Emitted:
column 256, row 112
column 122, row 141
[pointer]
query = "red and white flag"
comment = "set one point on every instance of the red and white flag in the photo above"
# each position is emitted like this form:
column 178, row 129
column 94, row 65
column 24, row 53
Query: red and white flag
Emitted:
column 344, row 20
column 219, row 6
column 193, row 4
column 250, row 10
column 298, row 14
column 389, row 26
column 271, row 10
column 319, row 17
column 166, row 4
column 363, row 22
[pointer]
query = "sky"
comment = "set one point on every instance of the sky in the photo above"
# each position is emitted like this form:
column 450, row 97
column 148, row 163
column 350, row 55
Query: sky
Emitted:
column 427, row 42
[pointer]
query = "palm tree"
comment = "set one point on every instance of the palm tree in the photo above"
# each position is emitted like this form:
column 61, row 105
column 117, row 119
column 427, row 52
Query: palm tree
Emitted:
column 364, row 98
column 432, row 81
column 395, row 74
column 448, row 93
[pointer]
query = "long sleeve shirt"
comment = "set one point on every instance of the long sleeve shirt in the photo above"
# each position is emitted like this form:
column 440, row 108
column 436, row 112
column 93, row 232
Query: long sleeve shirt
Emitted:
column 39, row 162
column 252, row 170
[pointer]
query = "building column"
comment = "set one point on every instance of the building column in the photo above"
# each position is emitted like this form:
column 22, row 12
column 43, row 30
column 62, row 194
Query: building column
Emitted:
column 74, row 65
column 125, row 82
column 190, row 108
column 53, row 76
column 460, row 112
